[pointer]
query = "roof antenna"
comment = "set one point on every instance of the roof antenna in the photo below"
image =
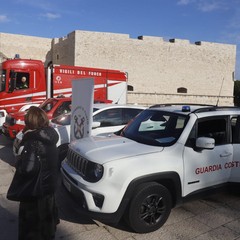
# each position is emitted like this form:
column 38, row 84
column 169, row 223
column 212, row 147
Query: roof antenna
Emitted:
column 220, row 92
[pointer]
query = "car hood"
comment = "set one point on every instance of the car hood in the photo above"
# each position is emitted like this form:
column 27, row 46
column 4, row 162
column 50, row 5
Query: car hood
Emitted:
column 109, row 148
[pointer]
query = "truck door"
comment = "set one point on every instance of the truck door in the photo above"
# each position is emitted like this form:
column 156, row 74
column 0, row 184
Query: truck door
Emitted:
column 19, row 91
column 205, row 168
column 20, row 82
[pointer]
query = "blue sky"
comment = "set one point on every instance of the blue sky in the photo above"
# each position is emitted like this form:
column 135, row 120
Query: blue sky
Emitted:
column 195, row 20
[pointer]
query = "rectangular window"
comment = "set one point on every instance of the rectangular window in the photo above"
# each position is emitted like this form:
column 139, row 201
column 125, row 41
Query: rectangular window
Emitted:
column 235, row 126
column 22, row 80
column 214, row 128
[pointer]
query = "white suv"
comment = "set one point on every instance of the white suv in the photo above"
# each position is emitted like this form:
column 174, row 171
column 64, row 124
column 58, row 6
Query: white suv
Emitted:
column 107, row 118
column 166, row 155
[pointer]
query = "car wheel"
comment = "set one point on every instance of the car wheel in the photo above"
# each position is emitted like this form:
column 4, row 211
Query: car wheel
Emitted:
column 150, row 207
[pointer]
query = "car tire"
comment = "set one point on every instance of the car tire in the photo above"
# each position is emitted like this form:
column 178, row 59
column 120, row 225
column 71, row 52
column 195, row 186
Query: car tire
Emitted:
column 150, row 207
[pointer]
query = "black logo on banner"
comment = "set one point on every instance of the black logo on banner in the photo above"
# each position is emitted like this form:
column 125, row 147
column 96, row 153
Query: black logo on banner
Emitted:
column 80, row 123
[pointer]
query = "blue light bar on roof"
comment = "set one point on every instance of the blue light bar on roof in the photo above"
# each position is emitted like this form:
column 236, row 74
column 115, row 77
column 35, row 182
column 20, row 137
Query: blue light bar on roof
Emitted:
column 186, row 109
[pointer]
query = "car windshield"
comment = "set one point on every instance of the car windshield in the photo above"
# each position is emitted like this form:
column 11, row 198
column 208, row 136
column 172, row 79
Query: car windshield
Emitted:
column 157, row 128
column 48, row 105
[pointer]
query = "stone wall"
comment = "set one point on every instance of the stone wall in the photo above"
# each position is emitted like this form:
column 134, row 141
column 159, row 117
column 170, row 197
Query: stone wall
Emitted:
column 160, row 71
column 26, row 46
column 158, row 67
column 148, row 99
column 63, row 50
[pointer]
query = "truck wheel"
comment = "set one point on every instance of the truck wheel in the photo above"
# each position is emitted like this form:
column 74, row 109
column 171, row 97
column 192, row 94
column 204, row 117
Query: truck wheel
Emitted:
column 150, row 207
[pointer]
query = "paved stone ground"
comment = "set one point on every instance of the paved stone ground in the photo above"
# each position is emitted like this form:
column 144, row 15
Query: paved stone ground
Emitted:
column 214, row 218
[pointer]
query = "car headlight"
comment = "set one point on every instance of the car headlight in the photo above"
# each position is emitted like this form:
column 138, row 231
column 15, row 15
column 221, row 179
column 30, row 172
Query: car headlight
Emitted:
column 98, row 171
column 94, row 172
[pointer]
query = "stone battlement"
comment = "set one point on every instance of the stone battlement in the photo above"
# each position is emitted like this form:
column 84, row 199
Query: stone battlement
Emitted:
column 153, row 64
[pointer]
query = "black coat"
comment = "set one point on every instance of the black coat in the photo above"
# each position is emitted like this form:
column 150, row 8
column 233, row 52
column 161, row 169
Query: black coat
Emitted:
column 35, row 145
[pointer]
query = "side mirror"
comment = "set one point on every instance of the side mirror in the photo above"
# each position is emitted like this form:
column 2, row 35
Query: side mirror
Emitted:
column 205, row 143
column 96, row 125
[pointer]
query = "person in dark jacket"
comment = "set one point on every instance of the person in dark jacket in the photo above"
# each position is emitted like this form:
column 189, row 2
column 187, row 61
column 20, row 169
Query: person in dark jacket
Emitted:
column 38, row 218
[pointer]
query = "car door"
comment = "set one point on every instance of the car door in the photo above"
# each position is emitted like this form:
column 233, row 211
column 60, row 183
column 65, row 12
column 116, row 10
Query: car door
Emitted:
column 130, row 113
column 235, row 164
column 205, row 168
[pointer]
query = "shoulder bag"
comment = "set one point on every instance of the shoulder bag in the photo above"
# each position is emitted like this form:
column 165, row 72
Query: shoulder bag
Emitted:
column 25, row 188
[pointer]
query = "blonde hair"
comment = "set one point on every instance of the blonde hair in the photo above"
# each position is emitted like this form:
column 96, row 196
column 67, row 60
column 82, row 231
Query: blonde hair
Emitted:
column 35, row 118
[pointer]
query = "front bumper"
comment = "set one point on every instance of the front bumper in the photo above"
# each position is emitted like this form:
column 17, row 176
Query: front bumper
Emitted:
column 9, row 132
column 90, row 200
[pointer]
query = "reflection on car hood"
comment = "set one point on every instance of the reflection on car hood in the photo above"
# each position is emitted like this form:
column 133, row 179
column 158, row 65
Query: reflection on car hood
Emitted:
column 108, row 148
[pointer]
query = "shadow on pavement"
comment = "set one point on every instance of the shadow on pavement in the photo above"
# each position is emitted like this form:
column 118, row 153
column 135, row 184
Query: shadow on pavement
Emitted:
column 6, row 153
column 8, row 219
column 69, row 209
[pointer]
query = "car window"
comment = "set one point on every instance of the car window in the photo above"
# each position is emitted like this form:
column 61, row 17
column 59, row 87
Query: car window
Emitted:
column 109, row 117
column 63, row 108
column 130, row 113
column 95, row 109
column 235, row 126
column 64, row 119
column 48, row 105
column 215, row 128
column 210, row 127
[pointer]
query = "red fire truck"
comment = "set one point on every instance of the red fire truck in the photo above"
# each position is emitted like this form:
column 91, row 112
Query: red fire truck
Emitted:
column 52, row 81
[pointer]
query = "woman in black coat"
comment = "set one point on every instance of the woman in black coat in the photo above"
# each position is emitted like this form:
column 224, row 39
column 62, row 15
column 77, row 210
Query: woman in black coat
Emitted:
column 38, row 215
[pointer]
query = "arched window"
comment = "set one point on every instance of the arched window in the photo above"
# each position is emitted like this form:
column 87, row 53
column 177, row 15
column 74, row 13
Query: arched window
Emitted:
column 182, row 90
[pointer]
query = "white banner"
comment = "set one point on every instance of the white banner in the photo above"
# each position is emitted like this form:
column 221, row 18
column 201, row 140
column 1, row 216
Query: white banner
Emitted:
column 82, row 108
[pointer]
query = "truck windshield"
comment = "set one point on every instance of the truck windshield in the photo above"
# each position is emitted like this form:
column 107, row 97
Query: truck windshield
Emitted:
column 157, row 128
column 2, row 80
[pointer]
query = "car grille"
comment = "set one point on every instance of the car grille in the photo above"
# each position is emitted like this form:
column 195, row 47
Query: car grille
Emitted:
column 77, row 162
column 10, row 120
